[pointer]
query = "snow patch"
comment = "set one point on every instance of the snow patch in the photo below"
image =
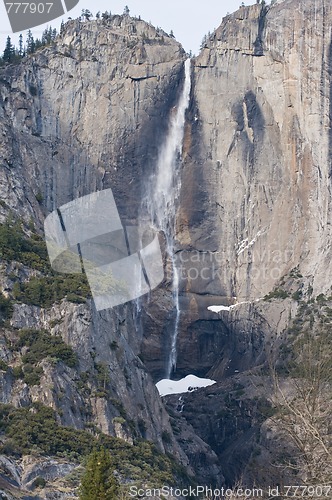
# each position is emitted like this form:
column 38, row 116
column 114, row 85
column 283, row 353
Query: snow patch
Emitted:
column 245, row 244
column 217, row 309
column 187, row 384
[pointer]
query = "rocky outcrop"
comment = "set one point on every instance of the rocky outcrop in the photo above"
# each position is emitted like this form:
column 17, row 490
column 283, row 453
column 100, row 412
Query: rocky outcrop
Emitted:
column 228, row 417
column 35, row 477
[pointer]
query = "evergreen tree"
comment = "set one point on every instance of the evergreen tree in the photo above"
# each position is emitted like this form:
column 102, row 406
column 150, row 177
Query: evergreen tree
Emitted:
column 204, row 42
column 31, row 45
column 48, row 36
column 62, row 27
column 20, row 46
column 44, row 37
column 86, row 14
column 98, row 481
column 9, row 52
column 126, row 11
column 38, row 44
column 105, row 15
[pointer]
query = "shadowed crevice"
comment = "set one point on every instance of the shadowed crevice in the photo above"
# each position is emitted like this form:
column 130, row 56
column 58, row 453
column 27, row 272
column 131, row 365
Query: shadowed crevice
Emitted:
column 258, row 44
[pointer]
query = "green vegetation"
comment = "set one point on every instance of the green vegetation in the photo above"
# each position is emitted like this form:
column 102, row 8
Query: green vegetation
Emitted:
column 39, row 345
column 321, row 298
column 6, row 308
column 42, row 344
column 15, row 245
column 103, row 375
column 281, row 293
column 305, row 409
column 278, row 293
column 264, row 408
column 13, row 54
column 99, row 480
column 297, row 295
column 32, row 374
column 39, row 482
column 295, row 273
column 166, row 437
column 3, row 365
column 35, row 429
column 45, row 291
column 41, row 291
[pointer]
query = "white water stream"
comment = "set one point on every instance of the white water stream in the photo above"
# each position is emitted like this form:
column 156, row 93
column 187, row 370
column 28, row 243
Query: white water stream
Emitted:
column 164, row 189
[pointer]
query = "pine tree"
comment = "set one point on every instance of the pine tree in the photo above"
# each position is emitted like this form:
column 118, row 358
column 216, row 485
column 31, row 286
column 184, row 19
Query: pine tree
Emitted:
column 9, row 52
column 31, row 46
column 48, row 36
column 20, row 46
column 44, row 37
column 126, row 11
column 204, row 42
column 38, row 44
column 62, row 27
column 98, row 481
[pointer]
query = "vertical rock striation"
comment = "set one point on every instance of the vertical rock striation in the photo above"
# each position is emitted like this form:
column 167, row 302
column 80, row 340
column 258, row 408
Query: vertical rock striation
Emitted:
column 259, row 149
column 256, row 182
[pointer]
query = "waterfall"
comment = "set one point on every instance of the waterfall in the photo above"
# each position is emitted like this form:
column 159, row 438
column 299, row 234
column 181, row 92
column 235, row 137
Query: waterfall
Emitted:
column 163, row 192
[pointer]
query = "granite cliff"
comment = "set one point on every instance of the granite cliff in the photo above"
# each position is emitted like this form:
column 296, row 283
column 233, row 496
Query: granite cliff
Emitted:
column 257, row 156
column 252, row 229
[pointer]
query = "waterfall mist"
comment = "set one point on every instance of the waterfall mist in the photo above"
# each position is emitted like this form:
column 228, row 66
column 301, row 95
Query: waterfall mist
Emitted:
column 162, row 195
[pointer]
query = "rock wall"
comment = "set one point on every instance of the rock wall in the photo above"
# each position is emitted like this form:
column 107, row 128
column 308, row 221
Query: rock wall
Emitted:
column 256, row 180
column 87, row 113
column 90, row 112
column 256, row 183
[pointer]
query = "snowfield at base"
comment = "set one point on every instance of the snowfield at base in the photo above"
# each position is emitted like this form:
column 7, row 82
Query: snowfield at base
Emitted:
column 167, row 386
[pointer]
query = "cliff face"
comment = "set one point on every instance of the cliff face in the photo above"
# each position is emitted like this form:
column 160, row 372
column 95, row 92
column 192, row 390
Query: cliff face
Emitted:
column 89, row 113
column 85, row 114
column 256, row 181
column 259, row 150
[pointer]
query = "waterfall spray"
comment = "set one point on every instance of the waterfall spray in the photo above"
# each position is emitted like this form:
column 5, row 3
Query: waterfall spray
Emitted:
column 163, row 194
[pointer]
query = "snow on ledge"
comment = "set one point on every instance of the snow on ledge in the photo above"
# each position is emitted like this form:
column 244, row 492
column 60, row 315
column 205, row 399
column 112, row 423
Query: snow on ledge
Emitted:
column 187, row 384
column 217, row 309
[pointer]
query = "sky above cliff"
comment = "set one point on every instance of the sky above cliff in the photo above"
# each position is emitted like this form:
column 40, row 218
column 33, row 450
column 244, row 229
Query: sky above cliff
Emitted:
column 190, row 20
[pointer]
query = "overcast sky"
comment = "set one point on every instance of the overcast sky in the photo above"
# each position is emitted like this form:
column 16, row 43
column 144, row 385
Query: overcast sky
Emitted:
column 190, row 20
